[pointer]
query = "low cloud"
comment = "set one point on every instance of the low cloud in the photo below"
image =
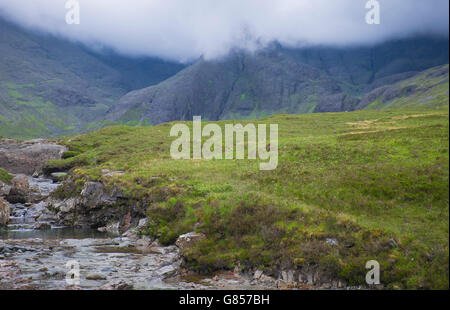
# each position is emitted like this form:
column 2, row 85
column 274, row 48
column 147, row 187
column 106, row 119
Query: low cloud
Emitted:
column 183, row 30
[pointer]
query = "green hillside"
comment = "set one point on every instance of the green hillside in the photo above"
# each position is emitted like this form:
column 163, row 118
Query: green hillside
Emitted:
column 427, row 89
column 51, row 87
column 375, row 182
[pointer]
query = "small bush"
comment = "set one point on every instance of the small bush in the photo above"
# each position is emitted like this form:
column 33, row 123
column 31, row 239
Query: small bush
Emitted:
column 5, row 177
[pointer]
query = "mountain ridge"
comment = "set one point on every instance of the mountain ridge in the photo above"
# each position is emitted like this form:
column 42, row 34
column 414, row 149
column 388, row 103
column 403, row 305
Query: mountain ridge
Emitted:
column 50, row 87
column 279, row 80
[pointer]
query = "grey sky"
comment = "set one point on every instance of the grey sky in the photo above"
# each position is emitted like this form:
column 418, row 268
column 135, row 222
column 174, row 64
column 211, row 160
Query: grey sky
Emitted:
column 185, row 29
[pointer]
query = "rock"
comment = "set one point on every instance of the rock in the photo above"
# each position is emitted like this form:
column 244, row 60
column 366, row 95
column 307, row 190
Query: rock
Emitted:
column 94, row 194
column 58, row 176
column 95, row 277
column 130, row 233
column 116, row 285
column 258, row 274
column 39, row 192
column 143, row 223
column 331, row 241
column 4, row 212
column 112, row 228
column 29, row 156
column 20, row 189
column 167, row 271
column 133, row 232
column 37, row 210
column 144, row 243
column 288, row 276
column 187, row 240
column 4, row 189
column 63, row 206
column 42, row 226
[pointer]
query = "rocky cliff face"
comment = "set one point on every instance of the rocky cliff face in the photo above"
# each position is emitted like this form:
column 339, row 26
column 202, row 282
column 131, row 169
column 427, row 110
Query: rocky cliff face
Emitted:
column 426, row 89
column 279, row 80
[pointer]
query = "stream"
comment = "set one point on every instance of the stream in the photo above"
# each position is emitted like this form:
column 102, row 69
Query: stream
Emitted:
column 34, row 253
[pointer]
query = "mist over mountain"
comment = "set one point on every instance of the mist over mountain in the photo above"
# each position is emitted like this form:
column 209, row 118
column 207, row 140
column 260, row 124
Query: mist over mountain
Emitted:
column 280, row 80
column 50, row 86
column 55, row 83
column 185, row 30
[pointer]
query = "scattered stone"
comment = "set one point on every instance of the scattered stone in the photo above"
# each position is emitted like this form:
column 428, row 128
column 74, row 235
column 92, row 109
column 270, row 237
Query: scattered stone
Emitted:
column 116, row 285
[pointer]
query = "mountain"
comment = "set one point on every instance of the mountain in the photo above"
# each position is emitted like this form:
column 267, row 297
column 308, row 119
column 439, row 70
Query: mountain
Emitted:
column 50, row 86
column 280, row 80
column 428, row 89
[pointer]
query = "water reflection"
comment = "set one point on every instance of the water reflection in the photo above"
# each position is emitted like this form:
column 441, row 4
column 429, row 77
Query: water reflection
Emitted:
column 55, row 233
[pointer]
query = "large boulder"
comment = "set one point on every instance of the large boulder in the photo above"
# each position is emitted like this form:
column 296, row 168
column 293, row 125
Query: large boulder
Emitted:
column 28, row 157
column 20, row 189
column 94, row 194
column 4, row 212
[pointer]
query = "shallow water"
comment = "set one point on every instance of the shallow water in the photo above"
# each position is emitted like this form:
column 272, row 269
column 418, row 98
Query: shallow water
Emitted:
column 52, row 234
column 37, row 259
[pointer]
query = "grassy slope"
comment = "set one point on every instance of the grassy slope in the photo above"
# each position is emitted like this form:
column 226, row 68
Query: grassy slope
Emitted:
column 362, row 178
column 431, row 89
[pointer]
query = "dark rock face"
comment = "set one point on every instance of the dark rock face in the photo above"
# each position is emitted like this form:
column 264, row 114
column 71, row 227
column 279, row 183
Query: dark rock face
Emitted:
column 27, row 157
column 232, row 88
column 98, row 206
column 413, row 88
column 280, row 80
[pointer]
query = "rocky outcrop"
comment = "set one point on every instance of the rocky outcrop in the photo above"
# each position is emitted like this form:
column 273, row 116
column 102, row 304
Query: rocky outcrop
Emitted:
column 187, row 240
column 27, row 157
column 98, row 207
column 277, row 80
column 4, row 212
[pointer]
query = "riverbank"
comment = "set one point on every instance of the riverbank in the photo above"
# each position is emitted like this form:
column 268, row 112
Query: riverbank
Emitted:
column 349, row 188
